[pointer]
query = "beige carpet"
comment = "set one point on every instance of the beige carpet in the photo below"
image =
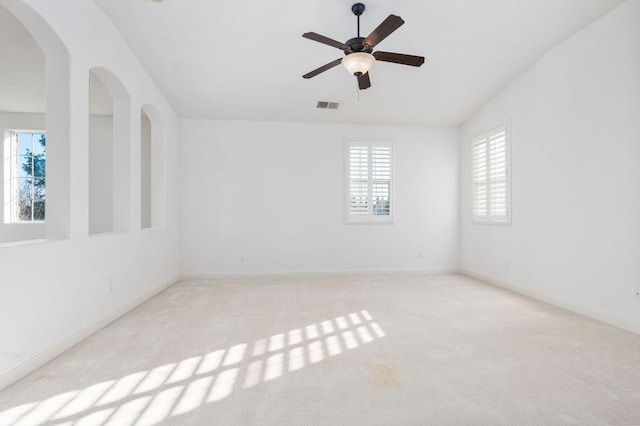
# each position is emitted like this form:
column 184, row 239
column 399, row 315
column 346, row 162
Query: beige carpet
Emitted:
column 353, row 350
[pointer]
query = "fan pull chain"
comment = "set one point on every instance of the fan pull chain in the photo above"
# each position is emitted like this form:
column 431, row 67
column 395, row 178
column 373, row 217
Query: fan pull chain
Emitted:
column 357, row 93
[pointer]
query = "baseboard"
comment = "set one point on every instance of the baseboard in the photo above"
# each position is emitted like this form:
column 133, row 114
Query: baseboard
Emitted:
column 586, row 311
column 39, row 359
column 351, row 272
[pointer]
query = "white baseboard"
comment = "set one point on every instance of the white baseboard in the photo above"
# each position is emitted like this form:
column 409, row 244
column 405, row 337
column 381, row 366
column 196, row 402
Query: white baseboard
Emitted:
column 39, row 359
column 586, row 311
column 213, row 276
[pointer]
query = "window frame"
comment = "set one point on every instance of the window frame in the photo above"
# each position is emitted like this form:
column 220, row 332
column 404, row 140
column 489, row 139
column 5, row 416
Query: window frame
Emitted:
column 369, row 218
column 487, row 218
column 10, row 199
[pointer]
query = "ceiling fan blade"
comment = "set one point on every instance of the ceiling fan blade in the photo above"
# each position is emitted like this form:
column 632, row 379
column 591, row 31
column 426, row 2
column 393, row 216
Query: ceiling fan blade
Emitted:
column 325, row 40
column 363, row 81
column 322, row 68
column 399, row 58
column 387, row 26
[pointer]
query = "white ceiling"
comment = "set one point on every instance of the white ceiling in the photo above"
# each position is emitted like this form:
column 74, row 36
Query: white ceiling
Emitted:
column 245, row 59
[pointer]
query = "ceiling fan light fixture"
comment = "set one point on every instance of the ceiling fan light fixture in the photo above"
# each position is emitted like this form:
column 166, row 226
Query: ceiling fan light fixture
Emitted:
column 358, row 63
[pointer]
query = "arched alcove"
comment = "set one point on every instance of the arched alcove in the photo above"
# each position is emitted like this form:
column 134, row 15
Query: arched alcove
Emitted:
column 145, row 170
column 109, row 153
column 153, row 168
column 34, row 121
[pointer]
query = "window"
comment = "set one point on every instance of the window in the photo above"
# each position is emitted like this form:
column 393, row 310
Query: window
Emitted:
column 491, row 182
column 25, row 176
column 369, row 182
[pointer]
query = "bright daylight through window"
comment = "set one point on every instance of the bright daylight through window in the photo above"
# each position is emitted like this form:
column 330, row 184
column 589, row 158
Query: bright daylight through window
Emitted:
column 24, row 176
column 369, row 182
column 491, row 183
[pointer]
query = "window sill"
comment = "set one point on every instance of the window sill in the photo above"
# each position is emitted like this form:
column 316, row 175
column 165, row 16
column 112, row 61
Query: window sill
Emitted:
column 370, row 222
column 108, row 234
column 477, row 222
column 22, row 243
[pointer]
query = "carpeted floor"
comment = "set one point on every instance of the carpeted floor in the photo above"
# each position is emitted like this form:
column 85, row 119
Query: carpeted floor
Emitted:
column 338, row 350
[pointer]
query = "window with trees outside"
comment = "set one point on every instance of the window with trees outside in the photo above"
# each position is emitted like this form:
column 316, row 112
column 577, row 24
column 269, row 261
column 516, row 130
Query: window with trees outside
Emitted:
column 24, row 176
column 369, row 182
column 491, row 182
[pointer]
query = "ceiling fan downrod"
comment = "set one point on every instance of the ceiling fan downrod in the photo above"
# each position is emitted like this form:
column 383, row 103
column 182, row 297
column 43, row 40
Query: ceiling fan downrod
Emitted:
column 358, row 9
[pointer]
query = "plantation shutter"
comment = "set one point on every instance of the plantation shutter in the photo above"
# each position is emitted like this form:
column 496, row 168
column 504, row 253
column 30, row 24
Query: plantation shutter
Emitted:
column 358, row 180
column 490, row 177
column 480, row 190
column 381, row 180
column 369, row 181
column 498, row 175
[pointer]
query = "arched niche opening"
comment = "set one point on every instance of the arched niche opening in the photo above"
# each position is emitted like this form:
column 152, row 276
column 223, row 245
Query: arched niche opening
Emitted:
column 34, row 123
column 153, row 168
column 109, row 153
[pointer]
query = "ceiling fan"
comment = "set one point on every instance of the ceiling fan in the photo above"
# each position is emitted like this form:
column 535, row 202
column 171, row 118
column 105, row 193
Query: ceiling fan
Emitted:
column 359, row 50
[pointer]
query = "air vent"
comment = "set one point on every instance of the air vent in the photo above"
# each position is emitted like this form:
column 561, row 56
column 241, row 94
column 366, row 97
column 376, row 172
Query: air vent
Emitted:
column 327, row 105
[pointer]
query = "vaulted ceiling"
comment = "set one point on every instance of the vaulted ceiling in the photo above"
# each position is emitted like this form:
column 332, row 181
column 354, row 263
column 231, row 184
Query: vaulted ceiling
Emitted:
column 245, row 60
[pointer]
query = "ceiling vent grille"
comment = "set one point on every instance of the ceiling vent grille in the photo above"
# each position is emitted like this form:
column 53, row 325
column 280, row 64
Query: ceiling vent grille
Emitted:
column 327, row 105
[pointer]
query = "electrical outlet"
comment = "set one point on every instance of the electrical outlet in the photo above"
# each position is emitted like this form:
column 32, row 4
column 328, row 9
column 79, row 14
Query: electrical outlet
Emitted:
column 636, row 294
column 109, row 285
column 507, row 265
column 420, row 255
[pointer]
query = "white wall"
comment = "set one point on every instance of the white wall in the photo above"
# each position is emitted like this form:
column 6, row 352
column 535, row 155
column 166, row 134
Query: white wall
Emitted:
column 268, row 197
column 575, row 120
column 53, row 293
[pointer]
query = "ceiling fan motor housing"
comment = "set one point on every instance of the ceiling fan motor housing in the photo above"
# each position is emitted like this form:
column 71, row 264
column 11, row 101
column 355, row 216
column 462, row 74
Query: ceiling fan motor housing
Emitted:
column 357, row 44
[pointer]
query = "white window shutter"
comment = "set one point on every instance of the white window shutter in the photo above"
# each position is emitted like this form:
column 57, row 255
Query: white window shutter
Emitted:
column 480, row 190
column 498, row 176
column 358, row 180
column 381, row 180
column 369, row 181
column 491, row 182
